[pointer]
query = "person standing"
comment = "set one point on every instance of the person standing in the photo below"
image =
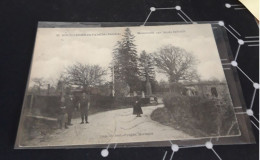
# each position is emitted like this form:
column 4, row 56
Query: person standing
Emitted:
column 69, row 104
column 137, row 109
column 62, row 118
column 84, row 104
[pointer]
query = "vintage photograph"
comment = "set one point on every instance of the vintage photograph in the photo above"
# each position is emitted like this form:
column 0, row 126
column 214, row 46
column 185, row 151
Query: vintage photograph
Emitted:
column 90, row 86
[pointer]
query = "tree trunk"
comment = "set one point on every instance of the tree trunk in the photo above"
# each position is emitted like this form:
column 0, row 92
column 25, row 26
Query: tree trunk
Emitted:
column 148, row 88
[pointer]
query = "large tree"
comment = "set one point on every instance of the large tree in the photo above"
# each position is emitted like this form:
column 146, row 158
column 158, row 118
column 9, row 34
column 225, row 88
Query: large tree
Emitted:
column 84, row 75
column 177, row 63
column 146, row 67
column 125, row 61
column 147, row 74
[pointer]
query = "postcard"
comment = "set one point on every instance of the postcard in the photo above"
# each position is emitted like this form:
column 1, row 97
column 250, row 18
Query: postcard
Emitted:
column 103, row 85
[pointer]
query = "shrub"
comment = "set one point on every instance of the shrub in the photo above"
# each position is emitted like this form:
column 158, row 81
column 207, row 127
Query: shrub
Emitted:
column 161, row 115
column 45, row 105
column 194, row 112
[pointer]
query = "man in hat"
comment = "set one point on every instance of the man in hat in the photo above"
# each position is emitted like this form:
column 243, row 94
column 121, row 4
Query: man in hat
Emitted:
column 84, row 104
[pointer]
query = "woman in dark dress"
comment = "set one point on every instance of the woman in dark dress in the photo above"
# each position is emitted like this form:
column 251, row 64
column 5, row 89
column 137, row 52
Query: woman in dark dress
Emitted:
column 137, row 109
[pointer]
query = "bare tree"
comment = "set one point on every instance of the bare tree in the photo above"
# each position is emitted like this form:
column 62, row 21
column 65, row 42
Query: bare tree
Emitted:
column 63, row 78
column 51, row 81
column 177, row 63
column 39, row 82
column 84, row 75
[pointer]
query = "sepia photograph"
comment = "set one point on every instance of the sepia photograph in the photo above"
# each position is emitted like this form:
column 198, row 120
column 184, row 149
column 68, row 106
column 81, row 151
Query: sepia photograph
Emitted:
column 103, row 85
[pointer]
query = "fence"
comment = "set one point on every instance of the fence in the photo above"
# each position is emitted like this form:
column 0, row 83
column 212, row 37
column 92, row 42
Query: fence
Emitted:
column 44, row 105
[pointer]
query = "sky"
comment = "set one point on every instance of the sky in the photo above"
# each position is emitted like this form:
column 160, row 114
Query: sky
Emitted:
column 57, row 48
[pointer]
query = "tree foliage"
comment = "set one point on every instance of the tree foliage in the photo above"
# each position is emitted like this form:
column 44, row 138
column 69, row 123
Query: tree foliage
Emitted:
column 177, row 63
column 84, row 75
column 39, row 83
column 125, row 60
column 146, row 67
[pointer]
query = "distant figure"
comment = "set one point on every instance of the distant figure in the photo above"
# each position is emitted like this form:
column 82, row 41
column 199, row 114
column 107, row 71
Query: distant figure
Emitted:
column 62, row 118
column 84, row 104
column 214, row 92
column 137, row 109
column 143, row 96
column 69, row 104
column 156, row 100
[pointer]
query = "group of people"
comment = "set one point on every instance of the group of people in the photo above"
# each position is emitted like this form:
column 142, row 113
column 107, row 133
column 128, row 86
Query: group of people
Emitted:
column 69, row 104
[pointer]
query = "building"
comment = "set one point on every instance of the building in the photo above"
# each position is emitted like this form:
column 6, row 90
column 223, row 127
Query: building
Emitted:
column 208, row 89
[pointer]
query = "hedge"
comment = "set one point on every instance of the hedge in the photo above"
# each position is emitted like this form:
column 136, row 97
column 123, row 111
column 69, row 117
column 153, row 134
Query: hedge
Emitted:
column 202, row 114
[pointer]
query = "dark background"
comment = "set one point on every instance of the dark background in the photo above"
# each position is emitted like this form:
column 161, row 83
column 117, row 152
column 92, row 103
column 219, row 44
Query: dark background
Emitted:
column 18, row 23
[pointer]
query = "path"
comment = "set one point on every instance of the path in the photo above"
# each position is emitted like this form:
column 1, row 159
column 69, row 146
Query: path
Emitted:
column 115, row 126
